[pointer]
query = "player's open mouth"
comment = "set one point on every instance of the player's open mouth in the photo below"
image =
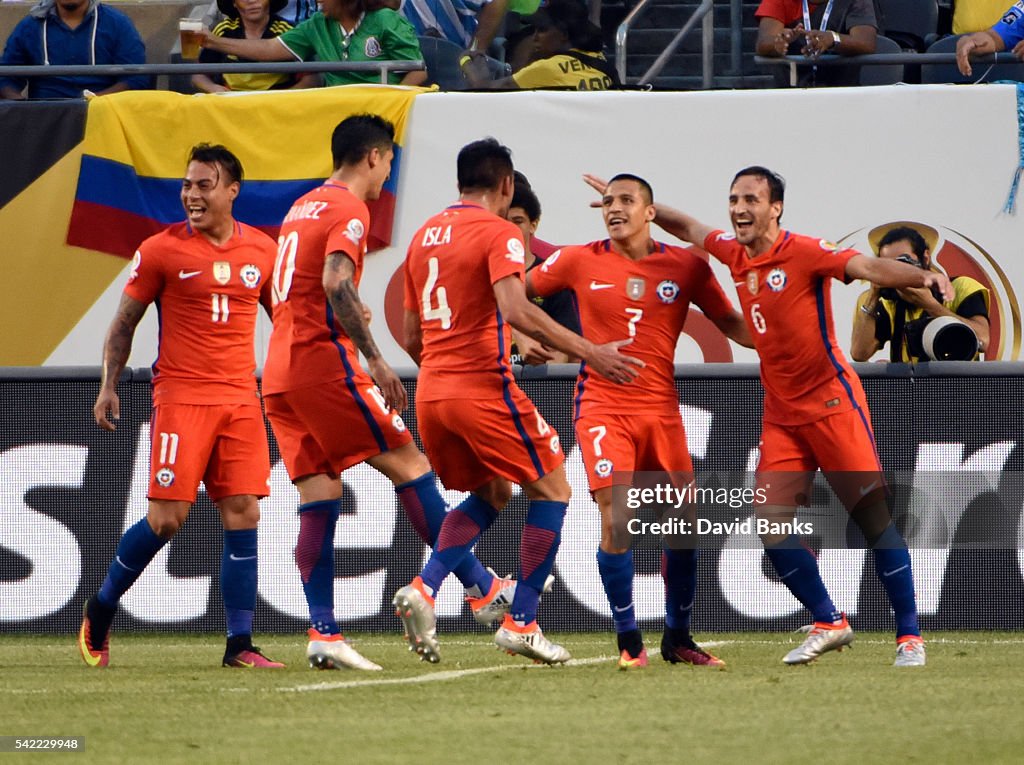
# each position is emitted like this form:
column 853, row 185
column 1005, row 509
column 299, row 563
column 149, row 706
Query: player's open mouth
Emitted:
column 742, row 224
column 616, row 221
column 195, row 211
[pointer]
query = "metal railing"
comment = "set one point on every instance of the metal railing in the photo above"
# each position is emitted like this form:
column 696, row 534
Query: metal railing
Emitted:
column 277, row 67
column 703, row 13
column 883, row 59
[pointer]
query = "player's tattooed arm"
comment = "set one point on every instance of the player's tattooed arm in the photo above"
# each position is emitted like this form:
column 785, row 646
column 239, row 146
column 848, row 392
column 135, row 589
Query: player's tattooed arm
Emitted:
column 339, row 271
column 116, row 348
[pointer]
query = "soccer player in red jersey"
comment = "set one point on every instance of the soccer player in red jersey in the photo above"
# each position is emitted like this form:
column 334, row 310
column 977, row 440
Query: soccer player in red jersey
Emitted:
column 463, row 290
column 326, row 411
column 815, row 411
column 631, row 284
column 208, row 276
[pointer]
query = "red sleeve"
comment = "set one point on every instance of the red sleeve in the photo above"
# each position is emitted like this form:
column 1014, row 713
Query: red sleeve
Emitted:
column 348, row 234
column 506, row 253
column 773, row 9
column 554, row 274
column 146, row 280
column 722, row 246
column 828, row 261
column 709, row 296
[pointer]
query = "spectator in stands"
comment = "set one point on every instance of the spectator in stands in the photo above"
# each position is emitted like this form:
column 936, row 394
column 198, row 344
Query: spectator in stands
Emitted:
column 69, row 32
column 976, row 15
column 1006, row 34
column 898, row 317
column 473, row 24
column 525, row 212
column 568, row 54
column 848, row 30
column 343, row 30
column 248, row 20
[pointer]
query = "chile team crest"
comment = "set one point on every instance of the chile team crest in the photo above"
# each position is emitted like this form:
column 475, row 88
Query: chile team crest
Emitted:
column 776, row 280
column 667, row 291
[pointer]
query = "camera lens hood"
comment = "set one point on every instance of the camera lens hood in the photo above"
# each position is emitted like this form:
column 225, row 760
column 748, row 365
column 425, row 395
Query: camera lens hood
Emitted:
column 948, row 339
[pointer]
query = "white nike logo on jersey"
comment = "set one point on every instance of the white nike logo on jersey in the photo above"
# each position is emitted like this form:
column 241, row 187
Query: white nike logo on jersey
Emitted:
column 183, row 274
column 599, row 286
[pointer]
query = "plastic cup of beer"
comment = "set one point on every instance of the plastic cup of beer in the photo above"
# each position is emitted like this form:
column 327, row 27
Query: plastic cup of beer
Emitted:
column 189, row 30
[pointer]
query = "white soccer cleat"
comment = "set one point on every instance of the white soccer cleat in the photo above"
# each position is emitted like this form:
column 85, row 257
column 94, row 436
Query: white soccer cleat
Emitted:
column 530, row 642
column 416, row 610
column 909, row 652
column 334, row 652
column 822, row 637
column 496, row 603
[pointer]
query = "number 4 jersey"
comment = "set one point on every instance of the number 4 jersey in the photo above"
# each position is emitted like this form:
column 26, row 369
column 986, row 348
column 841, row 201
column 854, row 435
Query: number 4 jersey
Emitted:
column 453, row 261
column 207, row 297
column 308, row 345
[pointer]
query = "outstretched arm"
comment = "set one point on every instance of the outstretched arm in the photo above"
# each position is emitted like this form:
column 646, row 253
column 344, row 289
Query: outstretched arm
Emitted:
column 890, row 273
column 116, row 348
column 339, row 271
column 529, row 319
column 271, row 49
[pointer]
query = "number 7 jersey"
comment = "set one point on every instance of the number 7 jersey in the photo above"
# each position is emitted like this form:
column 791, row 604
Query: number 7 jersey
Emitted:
column 452, row 263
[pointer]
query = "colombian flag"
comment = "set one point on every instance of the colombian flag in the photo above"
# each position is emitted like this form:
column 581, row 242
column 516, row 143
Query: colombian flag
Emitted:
column 136, row 145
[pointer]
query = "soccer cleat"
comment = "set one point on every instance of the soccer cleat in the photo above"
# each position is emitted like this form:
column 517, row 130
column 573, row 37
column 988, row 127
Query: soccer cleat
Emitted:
column 686, row 651
column 496, row 603
column 250, row 658
column 627, row 662
column 821, row 638
column 95, row 625
column 909, row 652
column 416, row 610
column 334, row 652
column 530, row 642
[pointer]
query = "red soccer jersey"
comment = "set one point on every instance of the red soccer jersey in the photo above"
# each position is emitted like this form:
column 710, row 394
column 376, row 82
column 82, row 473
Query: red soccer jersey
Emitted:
column 308, row 345
column 453, row 261
column 207, row 297
column 647, row 300
column 786, row 294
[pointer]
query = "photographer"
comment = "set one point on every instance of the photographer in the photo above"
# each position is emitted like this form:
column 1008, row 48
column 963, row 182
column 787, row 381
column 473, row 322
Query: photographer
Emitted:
column 899, row 317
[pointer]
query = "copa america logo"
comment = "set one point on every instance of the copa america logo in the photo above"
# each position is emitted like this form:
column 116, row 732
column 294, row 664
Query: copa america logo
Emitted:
column 958, row 255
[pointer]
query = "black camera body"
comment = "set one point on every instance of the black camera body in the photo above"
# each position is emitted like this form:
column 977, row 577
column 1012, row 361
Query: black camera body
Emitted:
column 890, row 293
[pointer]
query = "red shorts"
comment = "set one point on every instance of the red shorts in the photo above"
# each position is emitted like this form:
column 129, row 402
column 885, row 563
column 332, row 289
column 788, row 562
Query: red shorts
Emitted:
column 472, row 442
column 223, row 445
column 626, row 443
column 329, row 427
column 842, row 445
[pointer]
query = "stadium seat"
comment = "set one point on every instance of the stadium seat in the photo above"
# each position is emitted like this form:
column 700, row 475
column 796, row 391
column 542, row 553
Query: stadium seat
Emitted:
column 940, row 73
column 883, row 74
column 911, row 23
column 442, row 60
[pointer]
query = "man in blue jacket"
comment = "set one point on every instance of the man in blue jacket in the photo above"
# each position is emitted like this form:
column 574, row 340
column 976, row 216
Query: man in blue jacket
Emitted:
column 69, row 32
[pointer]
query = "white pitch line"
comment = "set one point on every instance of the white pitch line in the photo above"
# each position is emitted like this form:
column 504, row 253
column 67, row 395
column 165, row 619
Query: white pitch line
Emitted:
column 434, row 677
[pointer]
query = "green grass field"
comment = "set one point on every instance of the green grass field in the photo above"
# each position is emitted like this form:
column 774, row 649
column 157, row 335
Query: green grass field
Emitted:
column 165, row 699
